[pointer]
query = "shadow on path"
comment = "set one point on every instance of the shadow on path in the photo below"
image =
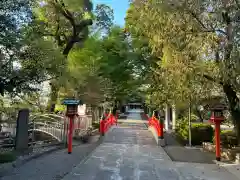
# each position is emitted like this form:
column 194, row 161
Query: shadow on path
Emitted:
column 180, row 153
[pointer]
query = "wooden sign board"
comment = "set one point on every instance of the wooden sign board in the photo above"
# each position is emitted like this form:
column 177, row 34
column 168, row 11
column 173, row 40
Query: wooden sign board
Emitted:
column 71, row 102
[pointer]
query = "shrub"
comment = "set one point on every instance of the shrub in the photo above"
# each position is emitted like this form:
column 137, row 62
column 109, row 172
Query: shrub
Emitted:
column 228, row 139
column 194, row 117
column 200, row 132
column 6, row 157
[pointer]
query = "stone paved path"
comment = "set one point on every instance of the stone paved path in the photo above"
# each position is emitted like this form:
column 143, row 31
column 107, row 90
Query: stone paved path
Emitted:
column 52, row 166
column 132, row 154
column 128, row 152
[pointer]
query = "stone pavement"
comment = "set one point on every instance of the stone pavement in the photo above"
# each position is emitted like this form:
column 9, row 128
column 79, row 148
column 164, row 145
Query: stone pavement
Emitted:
column 233, row 168
column 132, row 154
column 52, row 166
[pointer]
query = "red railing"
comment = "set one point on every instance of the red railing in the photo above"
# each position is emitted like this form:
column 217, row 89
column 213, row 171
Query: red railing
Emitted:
column 158, row 127
column 106, row 123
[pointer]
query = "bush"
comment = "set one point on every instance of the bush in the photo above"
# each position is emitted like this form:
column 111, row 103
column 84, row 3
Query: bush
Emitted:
column 228, row 139
column 194, row 118
column 6, row 157
column 200, row 132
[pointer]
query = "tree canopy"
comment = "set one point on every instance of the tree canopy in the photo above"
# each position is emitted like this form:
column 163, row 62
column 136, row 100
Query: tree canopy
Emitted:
column 195, row 44
column 169, row 52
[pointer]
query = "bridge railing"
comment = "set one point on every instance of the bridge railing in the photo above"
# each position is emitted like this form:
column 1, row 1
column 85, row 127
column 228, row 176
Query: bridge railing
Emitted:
column 51, row 127
column 154, row 122
column 107, row 122
column 43, row 129
column 156, row 126
column 40, row 133
column 82, row 125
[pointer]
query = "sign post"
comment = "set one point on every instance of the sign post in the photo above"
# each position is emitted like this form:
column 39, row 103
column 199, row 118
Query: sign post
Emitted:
column 72, row 109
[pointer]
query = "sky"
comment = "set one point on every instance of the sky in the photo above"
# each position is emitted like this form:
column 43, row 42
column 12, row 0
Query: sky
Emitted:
column 119, row 6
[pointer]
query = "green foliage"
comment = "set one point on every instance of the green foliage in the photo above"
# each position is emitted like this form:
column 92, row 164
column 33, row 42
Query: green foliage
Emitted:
column 101, row 70
column 174, row 69
column 104, row 16
column 12, row 78
column 196, row 50
column 194, row 117
column 6, row 157
column 228, row 139
column 200, row 132
column 60, row 108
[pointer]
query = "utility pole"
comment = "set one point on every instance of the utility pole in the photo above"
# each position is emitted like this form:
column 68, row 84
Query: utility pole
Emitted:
column 189, row 123
column 189, row 113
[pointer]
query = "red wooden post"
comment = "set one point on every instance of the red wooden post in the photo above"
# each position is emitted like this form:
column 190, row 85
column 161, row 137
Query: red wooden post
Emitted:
column 217, row 140
column 72, row 107
column 217, row 118
column 161, row 128
column 70, row 132
column 158, row 128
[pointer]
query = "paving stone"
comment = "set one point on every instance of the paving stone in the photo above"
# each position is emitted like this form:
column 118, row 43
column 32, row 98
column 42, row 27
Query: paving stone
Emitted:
column 53, row 166
column 125, row 154
column 132, row 154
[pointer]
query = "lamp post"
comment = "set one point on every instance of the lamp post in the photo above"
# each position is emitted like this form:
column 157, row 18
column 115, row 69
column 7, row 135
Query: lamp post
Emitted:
column 72, row 111
column 217, row 118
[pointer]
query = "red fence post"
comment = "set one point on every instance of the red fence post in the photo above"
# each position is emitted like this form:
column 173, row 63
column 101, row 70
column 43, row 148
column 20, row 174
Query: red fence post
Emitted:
column 70, row 132
column 217, row 141
column 157, row 124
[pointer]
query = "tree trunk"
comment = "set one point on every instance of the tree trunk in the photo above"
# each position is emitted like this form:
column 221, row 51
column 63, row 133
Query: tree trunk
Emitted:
column 233, row 107
column 53, row 97
column 199, row 115
column 95, row 113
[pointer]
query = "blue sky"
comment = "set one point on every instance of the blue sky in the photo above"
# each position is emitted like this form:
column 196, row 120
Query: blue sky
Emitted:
column 119, row 6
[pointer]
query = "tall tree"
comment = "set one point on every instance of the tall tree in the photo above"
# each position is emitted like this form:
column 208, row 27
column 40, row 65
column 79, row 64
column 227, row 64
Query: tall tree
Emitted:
column 66, row 22
column 24, row 61
column 204, row 32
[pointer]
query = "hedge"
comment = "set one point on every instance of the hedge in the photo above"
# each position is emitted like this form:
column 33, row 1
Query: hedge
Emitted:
column 6, row 157
column 200, row 132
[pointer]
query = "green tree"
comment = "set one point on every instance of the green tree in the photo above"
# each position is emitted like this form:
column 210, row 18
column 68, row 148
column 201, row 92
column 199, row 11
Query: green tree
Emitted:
column 204, row 33
column 66, row 23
